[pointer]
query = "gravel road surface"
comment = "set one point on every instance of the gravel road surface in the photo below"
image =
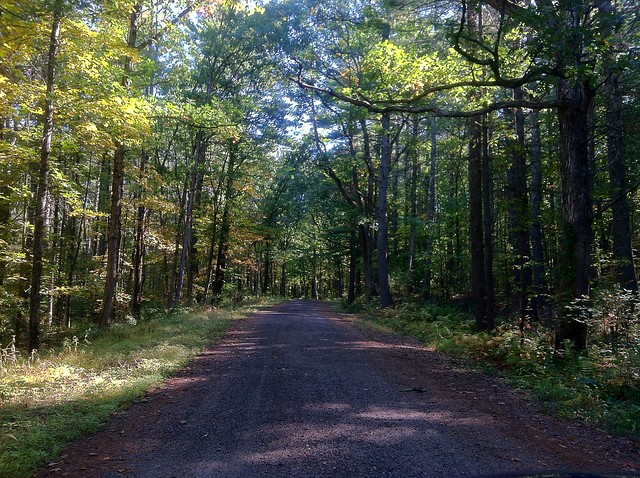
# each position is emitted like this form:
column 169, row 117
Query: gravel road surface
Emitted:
column 300, row 391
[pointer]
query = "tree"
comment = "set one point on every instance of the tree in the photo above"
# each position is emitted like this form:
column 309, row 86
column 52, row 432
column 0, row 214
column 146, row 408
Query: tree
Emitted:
column 555, row 52
column 43, row 179
column 114, row 229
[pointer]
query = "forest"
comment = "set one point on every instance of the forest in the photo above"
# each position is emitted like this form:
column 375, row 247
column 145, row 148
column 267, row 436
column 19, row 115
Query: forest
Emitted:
column 160, row 155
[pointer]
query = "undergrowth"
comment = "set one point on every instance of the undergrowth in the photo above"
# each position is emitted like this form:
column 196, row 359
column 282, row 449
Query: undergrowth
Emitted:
column 601, row 386
column 89, row 378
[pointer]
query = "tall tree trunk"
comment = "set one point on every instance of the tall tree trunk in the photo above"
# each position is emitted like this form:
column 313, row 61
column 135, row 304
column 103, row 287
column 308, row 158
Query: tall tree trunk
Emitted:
column 211, row 255
column 192, row 269
column 113, row 238
column 535, row 231
column 577, row 207
column 431, row 209
column 620, row 209
column 478, row 283
column 353, row 265
column 413, row 200
column 200, row 148
column 518, row 211
column 117, row 185
column 225, row 227
column 100, row 243
column 394, row 214
column 266, row 279
column 140, row 247
column 487, row 207
column 283, row 279
column 367, row 233
column 366, row 244
column 43, row 183
column 314, row 275
column 5, row 217
column 386, row 297
column 172, row 276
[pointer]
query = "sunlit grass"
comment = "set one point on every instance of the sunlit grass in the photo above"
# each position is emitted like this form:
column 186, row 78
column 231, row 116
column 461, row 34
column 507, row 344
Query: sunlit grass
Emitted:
column 52, row 398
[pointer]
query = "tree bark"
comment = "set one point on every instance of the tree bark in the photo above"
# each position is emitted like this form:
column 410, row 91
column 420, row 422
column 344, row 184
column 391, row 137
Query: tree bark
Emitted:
column 487, row 207
column 140, row 247
column 366, row 244
column 283, row 279
column 518, row 211
column 117, row 185
column 413, row 200
column 5, row 216
column 225, row 227
column 192, row 259
column 431, row 210
column 386, row 297
column 535, row 231
column 100, row 244
column 621, row 224
column 43, row 183
column 200, row 148
column 353, row 265
column 478, row 283
column 366, row 230
column 577, row 207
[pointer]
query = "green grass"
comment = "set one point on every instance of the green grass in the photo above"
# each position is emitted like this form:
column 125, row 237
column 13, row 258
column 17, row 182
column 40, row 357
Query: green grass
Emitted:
column 601, row 387
column 86, row 381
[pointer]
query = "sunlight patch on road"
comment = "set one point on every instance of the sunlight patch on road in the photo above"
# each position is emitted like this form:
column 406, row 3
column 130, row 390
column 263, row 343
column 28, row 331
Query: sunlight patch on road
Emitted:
column 396, row 414
column 365, row 345
column 328, row 407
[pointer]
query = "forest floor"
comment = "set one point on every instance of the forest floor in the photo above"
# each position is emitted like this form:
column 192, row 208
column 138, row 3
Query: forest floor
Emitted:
column 302, row 391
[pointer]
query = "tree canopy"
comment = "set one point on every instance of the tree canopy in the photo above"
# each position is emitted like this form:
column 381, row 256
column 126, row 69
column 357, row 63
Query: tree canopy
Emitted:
column 165, row 154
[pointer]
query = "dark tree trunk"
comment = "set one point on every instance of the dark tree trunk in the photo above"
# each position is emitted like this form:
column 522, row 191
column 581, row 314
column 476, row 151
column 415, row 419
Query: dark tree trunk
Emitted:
column 43, row 184
column 620, row 209
column 386, row 297
column 367, row 233
column 266, row 278
column 518, row 211
column 394, row 214
column 431, row 210
column 487, row 207
column 535, row 231
column 73, row 263
column 353, row 265
column 113, row 238
column 192, row 262
column 577, row 207
column 221, row 258
column 200, row 148
column 315, row 293
column 140, row 248
column 176, row 246
column 211, row 255
column 117, row 184
column 225, row 228
column 413, row 201
column 5, row 216
column 283, row 279
column 100, row 245
column 478, row 283
column 366, row 242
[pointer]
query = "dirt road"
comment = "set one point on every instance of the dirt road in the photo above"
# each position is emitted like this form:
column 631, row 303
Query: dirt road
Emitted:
column 298, row 391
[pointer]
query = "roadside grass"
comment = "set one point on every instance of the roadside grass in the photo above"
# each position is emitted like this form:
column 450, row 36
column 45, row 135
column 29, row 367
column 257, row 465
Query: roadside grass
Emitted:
column 601, row 387
column 52, row 398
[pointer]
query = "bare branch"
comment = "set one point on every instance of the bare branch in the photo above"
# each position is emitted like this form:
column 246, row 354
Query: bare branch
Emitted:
column 395, row 107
